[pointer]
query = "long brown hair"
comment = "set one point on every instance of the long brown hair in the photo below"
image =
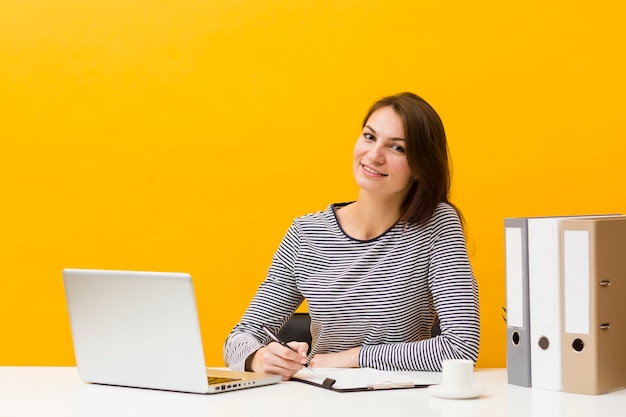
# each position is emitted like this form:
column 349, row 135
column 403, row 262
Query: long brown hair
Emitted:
column 427, row 155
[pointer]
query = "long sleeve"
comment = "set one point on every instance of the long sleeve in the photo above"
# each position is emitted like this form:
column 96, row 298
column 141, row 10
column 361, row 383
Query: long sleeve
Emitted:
column 382, row 294
column 273, row 304
column 454, row 292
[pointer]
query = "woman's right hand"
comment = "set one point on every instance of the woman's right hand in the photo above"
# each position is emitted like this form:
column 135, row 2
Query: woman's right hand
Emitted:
column 277, row 359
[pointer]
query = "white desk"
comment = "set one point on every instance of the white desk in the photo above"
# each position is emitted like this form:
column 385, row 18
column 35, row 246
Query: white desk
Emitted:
column 57, row 391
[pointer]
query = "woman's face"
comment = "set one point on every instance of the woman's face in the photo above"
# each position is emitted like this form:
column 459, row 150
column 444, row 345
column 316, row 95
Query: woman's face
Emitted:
column 380, row 163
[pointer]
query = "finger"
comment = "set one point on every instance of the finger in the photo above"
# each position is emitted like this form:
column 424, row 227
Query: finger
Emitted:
column 286, row 352
column 276, row 364
column 302, row 349
column 284, row 357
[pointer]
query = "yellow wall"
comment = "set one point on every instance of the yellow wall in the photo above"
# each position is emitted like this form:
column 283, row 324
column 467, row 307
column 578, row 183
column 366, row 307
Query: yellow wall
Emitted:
column 185, row 135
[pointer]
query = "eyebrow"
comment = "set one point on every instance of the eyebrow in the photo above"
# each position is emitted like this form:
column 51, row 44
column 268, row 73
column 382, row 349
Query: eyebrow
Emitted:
column 376, row 133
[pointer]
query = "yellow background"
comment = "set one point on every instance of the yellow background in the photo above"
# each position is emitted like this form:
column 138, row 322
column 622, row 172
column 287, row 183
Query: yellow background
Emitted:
column 186, row 135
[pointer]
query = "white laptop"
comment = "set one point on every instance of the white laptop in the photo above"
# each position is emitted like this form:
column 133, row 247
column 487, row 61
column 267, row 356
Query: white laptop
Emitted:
column 141, row 329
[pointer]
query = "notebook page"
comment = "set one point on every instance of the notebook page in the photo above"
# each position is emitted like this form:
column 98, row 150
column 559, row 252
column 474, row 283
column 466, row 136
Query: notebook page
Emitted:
column 356, row 377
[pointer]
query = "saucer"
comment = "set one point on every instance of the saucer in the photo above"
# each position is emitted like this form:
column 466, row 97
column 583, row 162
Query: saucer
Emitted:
column 455, row 394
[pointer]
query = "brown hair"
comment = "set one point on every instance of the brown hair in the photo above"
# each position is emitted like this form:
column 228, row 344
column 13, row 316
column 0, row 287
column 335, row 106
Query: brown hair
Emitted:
column 427, row 155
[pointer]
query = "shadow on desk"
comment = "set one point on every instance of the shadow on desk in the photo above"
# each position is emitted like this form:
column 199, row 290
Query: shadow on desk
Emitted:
column 102, row 400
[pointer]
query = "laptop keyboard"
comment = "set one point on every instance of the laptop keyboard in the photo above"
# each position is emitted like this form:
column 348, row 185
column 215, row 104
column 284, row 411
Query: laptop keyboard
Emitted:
column 213, row 380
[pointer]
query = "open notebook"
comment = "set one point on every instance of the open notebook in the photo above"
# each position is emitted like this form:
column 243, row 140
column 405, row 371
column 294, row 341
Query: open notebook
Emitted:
column 357, row 379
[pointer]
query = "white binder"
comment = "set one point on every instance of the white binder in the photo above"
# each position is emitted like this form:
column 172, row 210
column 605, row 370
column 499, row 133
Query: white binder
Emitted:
column 544, row 284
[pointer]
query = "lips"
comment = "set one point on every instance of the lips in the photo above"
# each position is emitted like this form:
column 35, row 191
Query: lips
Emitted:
column 372, row 171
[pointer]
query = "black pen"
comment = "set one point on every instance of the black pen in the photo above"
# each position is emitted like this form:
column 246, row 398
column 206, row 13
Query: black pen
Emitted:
column 277, row 340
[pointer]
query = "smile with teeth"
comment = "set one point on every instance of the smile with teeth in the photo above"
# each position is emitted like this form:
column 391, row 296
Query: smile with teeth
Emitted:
column 372, row 171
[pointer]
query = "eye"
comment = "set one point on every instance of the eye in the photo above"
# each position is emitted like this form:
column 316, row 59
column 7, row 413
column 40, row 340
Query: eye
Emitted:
column 398, row 148
column 368, row 136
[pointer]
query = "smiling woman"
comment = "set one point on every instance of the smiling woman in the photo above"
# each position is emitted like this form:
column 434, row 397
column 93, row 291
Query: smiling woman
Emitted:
column 377, row 272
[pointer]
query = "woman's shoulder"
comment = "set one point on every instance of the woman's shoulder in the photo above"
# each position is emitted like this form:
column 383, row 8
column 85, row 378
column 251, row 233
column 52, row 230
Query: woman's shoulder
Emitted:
column 319, row 223
column 445, row 210
column 444, row 217
column 328, row 214
column 316, row 218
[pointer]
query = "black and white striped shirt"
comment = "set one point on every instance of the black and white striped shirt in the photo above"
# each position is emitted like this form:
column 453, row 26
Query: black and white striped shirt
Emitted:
column 381, row 294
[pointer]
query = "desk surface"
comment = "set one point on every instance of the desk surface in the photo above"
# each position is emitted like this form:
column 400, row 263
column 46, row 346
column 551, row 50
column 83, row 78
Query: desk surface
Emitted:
column 57, row 391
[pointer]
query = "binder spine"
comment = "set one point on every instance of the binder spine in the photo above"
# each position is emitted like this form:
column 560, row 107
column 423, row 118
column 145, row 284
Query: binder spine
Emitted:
column 594, row 306
column 518, row 355
column 545, row 302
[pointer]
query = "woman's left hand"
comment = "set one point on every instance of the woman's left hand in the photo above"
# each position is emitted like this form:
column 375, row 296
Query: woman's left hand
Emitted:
column 346, row 359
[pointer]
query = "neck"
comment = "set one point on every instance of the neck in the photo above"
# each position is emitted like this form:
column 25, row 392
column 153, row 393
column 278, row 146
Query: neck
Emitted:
column 368, row 218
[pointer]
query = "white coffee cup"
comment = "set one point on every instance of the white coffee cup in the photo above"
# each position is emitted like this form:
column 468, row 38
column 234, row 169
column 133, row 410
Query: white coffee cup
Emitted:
column 458, row 374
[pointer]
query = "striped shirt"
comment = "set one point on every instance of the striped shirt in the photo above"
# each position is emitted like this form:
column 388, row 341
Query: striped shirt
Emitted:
column 382, row 294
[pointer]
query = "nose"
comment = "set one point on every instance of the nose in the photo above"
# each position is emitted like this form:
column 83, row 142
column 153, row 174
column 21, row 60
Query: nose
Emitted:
column 376, row 155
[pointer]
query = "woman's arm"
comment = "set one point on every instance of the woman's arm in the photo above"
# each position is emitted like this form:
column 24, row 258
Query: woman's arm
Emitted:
column 455, row 297
column 273, row 304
